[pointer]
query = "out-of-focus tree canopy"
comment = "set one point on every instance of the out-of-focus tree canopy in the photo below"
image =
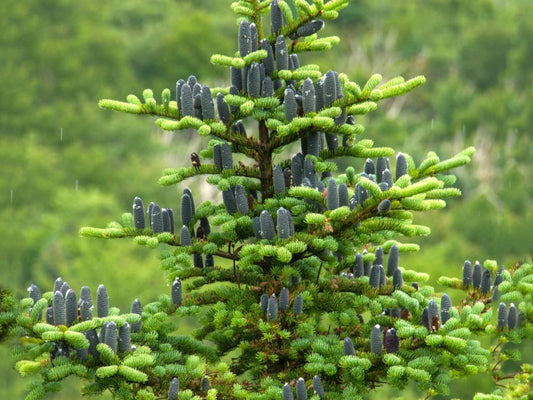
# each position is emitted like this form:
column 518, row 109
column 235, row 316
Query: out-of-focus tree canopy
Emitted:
column 65, row 163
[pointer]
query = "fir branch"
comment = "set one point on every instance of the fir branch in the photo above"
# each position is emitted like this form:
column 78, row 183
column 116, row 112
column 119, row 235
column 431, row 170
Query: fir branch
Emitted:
column 357, row 150
column 302, row 239
column 170, row 111
column 172, row 178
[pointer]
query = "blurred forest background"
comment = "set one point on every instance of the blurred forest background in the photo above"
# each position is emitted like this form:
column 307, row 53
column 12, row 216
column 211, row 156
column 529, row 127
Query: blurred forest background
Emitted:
column 67, row 164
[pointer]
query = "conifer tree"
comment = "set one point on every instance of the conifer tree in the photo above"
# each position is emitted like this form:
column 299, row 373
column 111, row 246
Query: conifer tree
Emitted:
column 295, row 278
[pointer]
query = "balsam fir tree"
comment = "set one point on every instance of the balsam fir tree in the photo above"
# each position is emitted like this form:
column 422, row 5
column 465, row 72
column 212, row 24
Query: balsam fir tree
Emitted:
column 296, row 278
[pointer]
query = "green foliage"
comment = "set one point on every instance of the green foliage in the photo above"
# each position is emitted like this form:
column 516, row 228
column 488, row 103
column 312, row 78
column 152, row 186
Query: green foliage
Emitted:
column 291, row 230
column 458, row 107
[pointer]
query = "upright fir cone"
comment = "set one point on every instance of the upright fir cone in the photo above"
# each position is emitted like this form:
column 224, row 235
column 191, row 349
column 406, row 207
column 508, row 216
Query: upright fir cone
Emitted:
column 185, row 236
column 227, row 156
column 102, row 302
column 281, row 53
column 168, row 223
column 86, row 311
column 381, row 165
column 499, row 278
column 284, row 223
column 206, row 227
column 264, row 302
column 386, row 177
column 222, row 107
column 392, row 342
column 384, row 206
column 401, row 165
column 179, row 85
column 445, row 305
column 512, row 317
column 318, row 387
column 111, row 336
column 200, row 233
column 173, row 389
column 254, row 80
column 349, row 349
column 58, row 308
column 485, row 281
column 245, row 38
column 502, row 316
column 34, row 293
column 287, row 392
column 333, row 195
column 267, row 225
column 290, row 105
column 228, row 197
column 207, row 104
column 71, row 307
column 393, row 260
column 467, row 274
column 495, row 294
column 297, row 307
column 64, row 289
column 344, row 200
column 101, row 333
column 358, row 268
column 284, row 299
column 376, row 342
column 176, row 292
column 433, row 316
column 301, row 389
column 197, row 260
column 370, row 168
column 374, row 280
column 382, row 277
column 272, row 308
column 268, row 62
column 187, row 106
column 156, row 219
column 476, row 276
column 92, row 338
column 136, row 308
column 397, row 279
column 241, row 200
column 279, row 179
column 297, row 169
column 445, row 302
column 205, row 384
column 276, row 17
column 425, row 318
column 124, row 338
column 379, row 256
column 138, row 213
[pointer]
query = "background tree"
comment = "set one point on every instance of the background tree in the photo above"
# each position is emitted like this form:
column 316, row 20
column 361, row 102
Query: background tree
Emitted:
column 34, row 242
column 57, row 59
